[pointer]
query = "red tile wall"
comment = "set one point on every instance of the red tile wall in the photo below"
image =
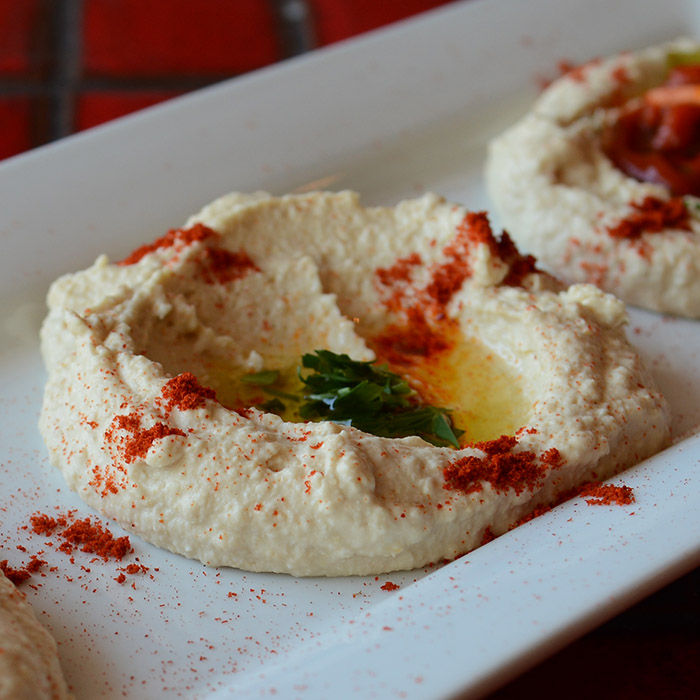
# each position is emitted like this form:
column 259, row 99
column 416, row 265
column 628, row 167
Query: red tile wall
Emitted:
column 334, row 20
column 67, row 65
column 18, row 23
column 15, row 131
column 177, row 37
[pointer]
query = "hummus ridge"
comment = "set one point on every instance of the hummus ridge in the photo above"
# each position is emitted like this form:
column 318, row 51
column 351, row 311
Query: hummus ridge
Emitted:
column 131, row 349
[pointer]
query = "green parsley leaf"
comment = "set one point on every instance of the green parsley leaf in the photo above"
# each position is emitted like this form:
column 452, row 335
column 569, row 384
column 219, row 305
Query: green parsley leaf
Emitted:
column 273, row 406
column 264, row 378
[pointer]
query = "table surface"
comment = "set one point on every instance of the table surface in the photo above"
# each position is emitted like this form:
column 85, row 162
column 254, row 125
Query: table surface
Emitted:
column 65, row 67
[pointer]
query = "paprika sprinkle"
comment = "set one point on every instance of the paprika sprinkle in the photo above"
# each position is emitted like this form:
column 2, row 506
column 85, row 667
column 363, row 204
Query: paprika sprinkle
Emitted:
column 140, row 443
column 173, row 238
column 405, row 344
column 448, row 277
column 502, row 468
column 397, row 279
column 184, row 392
column 607, row 494
column 84, row 534
column 136, row 445
column 220, row 265
column 93, row 538
column 593, row 493
column 653, row 215
column 400, row 271
column 21, row 574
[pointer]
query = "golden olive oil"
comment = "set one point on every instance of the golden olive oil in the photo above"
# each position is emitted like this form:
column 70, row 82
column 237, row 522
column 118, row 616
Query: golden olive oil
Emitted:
column 480, row 388
column 482, row 392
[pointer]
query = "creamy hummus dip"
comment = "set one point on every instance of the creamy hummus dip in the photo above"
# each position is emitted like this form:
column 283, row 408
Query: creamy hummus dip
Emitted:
column 600, row 179
column 29, row 665
column 146, row 415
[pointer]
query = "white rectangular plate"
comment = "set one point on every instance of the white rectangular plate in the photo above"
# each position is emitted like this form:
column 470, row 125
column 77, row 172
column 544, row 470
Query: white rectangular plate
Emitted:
column 392, row 114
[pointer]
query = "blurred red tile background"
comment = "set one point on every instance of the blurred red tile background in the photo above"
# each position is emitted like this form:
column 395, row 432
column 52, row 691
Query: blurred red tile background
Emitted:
column 66, row 65
column 19, row 28
column 334, row 20
column 175, row 38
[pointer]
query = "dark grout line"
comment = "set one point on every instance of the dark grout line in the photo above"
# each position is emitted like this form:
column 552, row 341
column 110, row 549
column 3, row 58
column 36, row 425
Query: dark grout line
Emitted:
column 67, row 40
column 122, row 83
column 117, row 84
column 23, row 88
column 295, row 27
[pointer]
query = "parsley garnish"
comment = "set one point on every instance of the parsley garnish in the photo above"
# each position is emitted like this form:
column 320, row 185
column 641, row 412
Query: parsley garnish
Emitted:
column 370, row 397
column 367, row 396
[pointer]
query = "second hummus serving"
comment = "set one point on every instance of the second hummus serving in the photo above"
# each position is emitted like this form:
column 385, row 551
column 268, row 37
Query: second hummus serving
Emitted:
column 601, row 178
column 175, row 403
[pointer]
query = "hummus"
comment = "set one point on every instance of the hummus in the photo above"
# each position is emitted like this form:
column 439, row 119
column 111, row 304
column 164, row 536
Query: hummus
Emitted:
column 567, row 180
column 29, row 666
column 143, row 410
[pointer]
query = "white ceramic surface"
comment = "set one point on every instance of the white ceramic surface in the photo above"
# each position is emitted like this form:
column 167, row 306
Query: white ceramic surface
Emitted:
column 391, row 114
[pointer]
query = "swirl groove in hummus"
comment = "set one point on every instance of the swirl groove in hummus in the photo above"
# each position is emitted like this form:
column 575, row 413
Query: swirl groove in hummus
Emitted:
column 560, row 184
column 29, row 665
column 137, row 351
